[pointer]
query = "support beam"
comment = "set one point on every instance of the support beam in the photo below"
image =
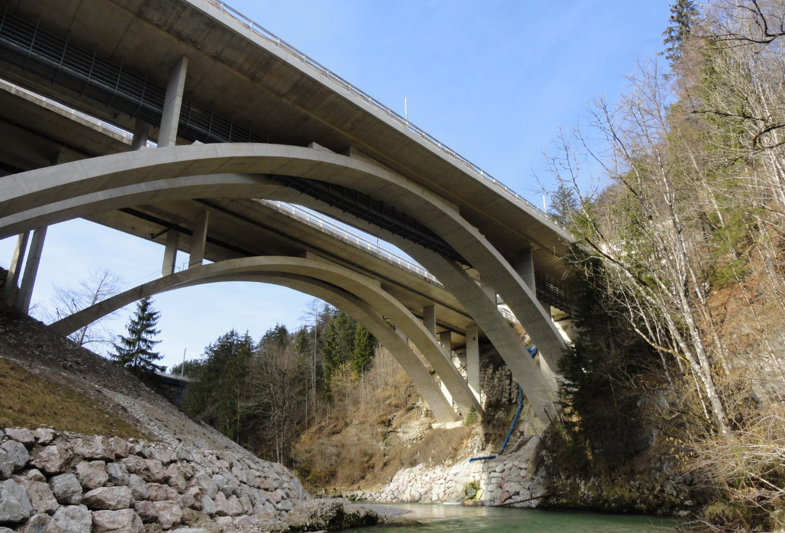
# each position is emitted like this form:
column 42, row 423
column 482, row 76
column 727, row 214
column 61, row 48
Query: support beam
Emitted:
column 429, row 319
column 473, row 359
column 512, row 349
column 170, row 252
column 445, row 340
column 523, row 264
column 167, row 134
column 11, row 288
column 141, row 135
column 199, row 239
column 402, row 335
column 31, row 270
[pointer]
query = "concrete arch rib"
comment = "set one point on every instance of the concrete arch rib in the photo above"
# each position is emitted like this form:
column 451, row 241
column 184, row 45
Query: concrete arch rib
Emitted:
column 333, row 283
column 35, row 190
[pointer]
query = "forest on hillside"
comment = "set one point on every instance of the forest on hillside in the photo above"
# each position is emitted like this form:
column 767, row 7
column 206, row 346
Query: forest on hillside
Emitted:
column 676, row 197
column 675, row 194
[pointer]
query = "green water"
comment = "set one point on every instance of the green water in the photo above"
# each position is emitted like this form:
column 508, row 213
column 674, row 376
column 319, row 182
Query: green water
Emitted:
column 441, row 518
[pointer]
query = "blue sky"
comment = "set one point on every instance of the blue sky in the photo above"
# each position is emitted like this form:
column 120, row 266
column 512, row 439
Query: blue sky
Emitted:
column 494, row 80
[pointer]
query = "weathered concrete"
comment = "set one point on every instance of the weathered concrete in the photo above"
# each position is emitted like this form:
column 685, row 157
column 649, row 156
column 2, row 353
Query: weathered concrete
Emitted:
column 512, row 349
column 141, row 135
column 31, row 270
column 199, row 239
column 170, row 252
column 45, row 194
column 11, row 287
column 365, row 297
column 473, row 359
column 167, row 134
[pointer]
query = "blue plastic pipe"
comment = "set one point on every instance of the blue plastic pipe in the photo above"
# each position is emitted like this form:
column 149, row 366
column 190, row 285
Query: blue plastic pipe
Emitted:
column 532, row 351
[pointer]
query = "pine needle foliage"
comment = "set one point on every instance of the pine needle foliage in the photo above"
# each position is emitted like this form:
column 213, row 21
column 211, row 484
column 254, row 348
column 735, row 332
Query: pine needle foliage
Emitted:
column 136, row 351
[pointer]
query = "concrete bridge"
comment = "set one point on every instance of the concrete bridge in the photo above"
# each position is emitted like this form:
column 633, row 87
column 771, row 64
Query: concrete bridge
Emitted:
column 239, row 116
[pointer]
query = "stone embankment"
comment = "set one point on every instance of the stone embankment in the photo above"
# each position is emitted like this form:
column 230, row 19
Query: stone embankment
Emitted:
column 505, row 480
column 53, row 482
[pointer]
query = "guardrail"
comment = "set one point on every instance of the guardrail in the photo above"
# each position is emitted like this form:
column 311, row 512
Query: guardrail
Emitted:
column 255, row 28
column 341, row 232
column 84, row 116
column 308, row 216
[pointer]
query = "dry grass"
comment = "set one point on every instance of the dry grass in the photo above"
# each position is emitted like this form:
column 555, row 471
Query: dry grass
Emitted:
column 375, row 428
column 29, row 401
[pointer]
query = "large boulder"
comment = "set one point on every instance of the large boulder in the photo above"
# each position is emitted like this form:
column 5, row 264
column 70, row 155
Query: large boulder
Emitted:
column 15, row 506
column 93, row 448
column 40, row 523
column 74, row 519
column 21, row 435
column 109, row 498
column 167, row 514
column 159, row 493
column 330, row 514
column 118, row 474
column 138, row 488
column 66, row 489
column 124, row 521
column 92, row 474
column 39, row 493
column 13, row 457
column 44, row 436
column 53, row 459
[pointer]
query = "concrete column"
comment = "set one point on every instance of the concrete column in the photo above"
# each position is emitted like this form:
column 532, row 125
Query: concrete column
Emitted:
column 429, row 319
column 445, row 340
column 523, row 264
column 15, row 268
column 402, row 335
column 170, row 252
column 167, row 135
column 199, row 239
column 473, row 359
column 489, row 291
column 31, row 270
column 141, row 135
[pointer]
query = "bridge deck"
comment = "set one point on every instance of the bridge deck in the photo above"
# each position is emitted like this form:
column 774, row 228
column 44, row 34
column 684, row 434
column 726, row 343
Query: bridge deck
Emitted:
column 236, row 72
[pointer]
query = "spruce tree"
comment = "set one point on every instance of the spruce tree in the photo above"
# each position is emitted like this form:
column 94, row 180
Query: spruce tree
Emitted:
column 362, row 355
column 136, row 350
column 563, row 204
column 684, row 15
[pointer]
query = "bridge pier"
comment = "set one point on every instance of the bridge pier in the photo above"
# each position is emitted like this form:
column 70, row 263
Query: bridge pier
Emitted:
column 31, row 270
column 473, row 359
column 11, row 289
column 141, row 135
column 429, row 321
column 167, row 134
column 199, row 239
column 476, row 300
column 170, row 252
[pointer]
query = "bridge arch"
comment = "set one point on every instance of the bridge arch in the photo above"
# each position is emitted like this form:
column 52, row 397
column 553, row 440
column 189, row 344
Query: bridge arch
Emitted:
column 335, row 284
column 71, row 190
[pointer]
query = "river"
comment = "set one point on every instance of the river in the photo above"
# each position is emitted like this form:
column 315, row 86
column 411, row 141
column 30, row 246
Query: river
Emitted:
column 444, row 518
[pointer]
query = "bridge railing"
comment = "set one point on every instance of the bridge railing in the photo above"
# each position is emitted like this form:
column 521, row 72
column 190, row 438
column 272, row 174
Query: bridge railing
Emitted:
column 308, row 216
column 369, row 100
column 327, row 225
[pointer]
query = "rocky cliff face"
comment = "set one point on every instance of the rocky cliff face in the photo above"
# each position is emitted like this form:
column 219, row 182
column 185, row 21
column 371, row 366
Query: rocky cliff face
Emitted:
column 52, row 482
column 504, row 480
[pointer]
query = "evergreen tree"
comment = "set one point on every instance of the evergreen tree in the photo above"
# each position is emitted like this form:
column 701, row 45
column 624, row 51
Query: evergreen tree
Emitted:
column 362, row 355
column 563, row 204
column 136, row 350
column 216, row 397
column 684, row 15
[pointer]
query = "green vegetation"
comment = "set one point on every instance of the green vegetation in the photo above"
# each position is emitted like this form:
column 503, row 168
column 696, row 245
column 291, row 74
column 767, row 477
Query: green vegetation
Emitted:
column 135, row 351
column 677, row 268
column 264, row 395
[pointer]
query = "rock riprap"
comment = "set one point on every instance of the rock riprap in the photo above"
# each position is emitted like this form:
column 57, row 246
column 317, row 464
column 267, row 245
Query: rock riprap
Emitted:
column 57, row 482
